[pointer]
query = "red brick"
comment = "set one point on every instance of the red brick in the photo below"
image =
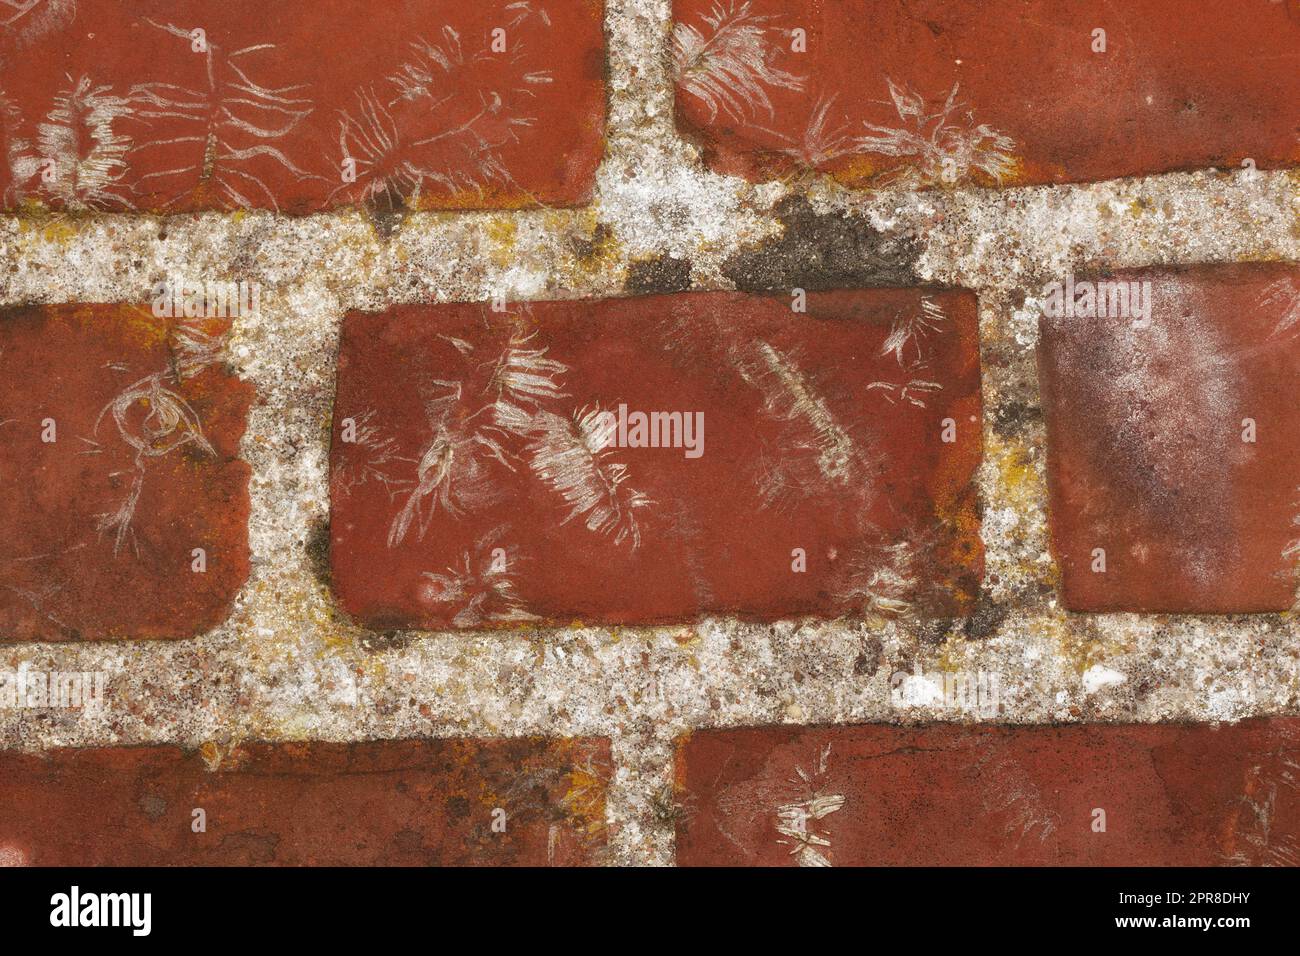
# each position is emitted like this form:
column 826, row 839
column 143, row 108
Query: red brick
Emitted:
column 822, row 431
column 98, row 527
column 1005, row 91
column 389, row 803
column 265, row 113
column 948, row 795
column 1147, row 457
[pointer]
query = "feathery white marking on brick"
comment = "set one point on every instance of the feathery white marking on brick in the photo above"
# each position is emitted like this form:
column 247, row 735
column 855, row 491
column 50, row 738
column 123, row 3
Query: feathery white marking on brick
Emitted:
column 235, row 122
column 793, row 820
column 168, row 423
column 87, row 152
column 571, row 455
column 727, row 62
column 940, row 147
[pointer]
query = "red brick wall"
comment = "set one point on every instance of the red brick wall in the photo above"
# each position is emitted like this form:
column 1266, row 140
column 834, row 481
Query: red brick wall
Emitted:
column 717, row 431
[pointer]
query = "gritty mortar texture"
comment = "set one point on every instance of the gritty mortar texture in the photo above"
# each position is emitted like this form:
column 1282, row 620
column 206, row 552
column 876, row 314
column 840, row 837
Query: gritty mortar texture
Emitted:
column 286, row 665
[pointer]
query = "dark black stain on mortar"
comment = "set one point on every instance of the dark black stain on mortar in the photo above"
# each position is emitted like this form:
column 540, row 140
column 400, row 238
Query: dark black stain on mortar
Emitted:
column 587, row 249
column 318, row 550
column 658, row 276
column 986, row 619
column 1014, row 418
column 831, row 250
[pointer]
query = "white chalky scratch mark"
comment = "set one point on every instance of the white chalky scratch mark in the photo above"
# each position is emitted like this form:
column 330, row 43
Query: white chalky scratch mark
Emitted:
column 22, row 163
column 941, row 150
column 822, row 141
column 398, row 159
column 570, row 454
column 87, row 153
column 912, row 328
column 727, row 63
column 793, row 818
column 479, row 590
column 812, row 453
column 908, row 335
column 236, row 120
column 522, row 10
column 789, row 396
column 1011, row 792
column 11, row 855
column 913, row 391
column 1284, row 295
column 1263, row 790
column 37, row 601
column 521, row 380
column 880, row 579
column 371, row 455
column 169, row 423
column 196, row 349
column 1292, row 551
column 452, row 473
column 32, row 19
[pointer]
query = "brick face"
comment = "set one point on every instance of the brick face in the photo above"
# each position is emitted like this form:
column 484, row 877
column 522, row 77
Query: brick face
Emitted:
column 119, row 443
column 389, row 803
column 113, row 105
column 822, row 432
column 1172, row 448
column 1007, row 91
column 949, row 795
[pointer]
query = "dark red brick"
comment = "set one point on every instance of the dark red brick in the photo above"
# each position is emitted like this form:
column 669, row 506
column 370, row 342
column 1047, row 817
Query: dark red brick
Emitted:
column 98, row 527
column 1003, row 91
column 822, row 431
column 387, row 803
column 948, row 795
column 110, row 106
column 1147, row 457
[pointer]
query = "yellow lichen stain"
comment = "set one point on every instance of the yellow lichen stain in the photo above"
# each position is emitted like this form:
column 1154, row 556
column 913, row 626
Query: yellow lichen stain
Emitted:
column 475, row 200
column 1024, row 489
column 1140, row 206
column 558, row 220
column 1023, row 485
column 1079, row 646
column 59, row 230
column 299, row 727
column 1082, row 645
column 584, row 801
column 859, row 170
column 335, row 638
column 210, row 751
column 596, row 250
column 143, row 326
column 867, row 171
column 952, row 654
column 951, row 489
column 503, row 233
column 1017, row 174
